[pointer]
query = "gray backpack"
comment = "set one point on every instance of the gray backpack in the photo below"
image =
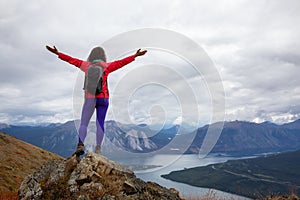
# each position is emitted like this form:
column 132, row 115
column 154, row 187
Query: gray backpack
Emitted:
column 93, row 78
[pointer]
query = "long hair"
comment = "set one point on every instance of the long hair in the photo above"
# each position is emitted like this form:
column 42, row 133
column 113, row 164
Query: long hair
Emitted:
column 96, row 54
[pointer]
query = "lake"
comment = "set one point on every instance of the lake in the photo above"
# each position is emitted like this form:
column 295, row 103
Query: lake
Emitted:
column 151, row 168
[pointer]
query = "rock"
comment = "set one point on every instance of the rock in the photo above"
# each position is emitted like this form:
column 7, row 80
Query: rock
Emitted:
column 83, row 197
column 129, row 188
column 92, row 177
column 31, row 189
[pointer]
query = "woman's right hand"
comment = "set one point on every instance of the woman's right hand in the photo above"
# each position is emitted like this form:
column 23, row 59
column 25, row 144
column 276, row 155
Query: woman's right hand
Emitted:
column 53, row 50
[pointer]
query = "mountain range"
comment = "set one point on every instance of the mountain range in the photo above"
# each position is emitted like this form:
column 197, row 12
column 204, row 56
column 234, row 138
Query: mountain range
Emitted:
column 237, row 138
column 62, row 138
column 247, row 138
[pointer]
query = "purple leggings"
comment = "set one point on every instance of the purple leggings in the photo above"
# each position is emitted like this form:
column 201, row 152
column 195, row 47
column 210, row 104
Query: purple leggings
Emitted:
column 101, row 105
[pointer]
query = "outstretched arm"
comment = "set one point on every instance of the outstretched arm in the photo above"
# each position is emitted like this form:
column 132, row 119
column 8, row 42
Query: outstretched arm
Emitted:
column 120, row 63
column 73, row 61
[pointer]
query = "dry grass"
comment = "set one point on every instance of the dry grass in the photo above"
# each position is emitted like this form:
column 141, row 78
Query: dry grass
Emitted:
column 283, row 197
column 7, row 195
column 17, row 160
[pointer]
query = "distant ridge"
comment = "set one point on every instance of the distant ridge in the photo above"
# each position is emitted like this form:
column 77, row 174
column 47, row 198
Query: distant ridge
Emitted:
column 247, row 138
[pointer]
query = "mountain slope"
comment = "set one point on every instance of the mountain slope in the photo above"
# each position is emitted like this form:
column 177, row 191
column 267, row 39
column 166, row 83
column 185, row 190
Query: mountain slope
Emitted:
column 255, row 178
column 17, row 160
column 58, row 138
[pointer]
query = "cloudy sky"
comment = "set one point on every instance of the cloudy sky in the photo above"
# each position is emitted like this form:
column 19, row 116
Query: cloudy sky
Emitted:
column 254, row 46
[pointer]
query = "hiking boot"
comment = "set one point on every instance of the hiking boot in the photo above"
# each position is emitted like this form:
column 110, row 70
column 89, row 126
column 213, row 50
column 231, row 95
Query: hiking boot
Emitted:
column 98, row 149
column 79, row 150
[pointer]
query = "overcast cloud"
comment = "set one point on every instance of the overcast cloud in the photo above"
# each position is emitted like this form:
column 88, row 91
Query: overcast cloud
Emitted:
column 254, row 44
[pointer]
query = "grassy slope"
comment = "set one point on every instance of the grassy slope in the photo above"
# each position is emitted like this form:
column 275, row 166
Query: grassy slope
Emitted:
column 276, row 174
column 17, row 160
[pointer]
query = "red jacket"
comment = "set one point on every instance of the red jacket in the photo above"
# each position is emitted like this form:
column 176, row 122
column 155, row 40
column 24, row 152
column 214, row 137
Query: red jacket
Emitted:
column 108, row 68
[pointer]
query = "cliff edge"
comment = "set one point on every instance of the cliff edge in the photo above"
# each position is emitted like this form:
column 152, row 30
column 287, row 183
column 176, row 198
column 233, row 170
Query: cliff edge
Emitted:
column 92, row 177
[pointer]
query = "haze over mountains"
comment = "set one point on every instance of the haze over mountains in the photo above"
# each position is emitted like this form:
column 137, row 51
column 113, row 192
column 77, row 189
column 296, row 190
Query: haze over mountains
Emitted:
column 237, row 138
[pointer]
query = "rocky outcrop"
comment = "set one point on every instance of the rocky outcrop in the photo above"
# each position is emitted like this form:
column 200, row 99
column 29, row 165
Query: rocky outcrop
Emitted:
column 92, row 177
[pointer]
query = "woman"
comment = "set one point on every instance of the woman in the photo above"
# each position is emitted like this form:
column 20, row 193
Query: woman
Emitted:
column 92, row 101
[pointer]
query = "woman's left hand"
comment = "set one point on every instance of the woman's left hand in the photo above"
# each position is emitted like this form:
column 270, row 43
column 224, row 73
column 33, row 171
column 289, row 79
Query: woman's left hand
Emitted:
column 140, row 53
